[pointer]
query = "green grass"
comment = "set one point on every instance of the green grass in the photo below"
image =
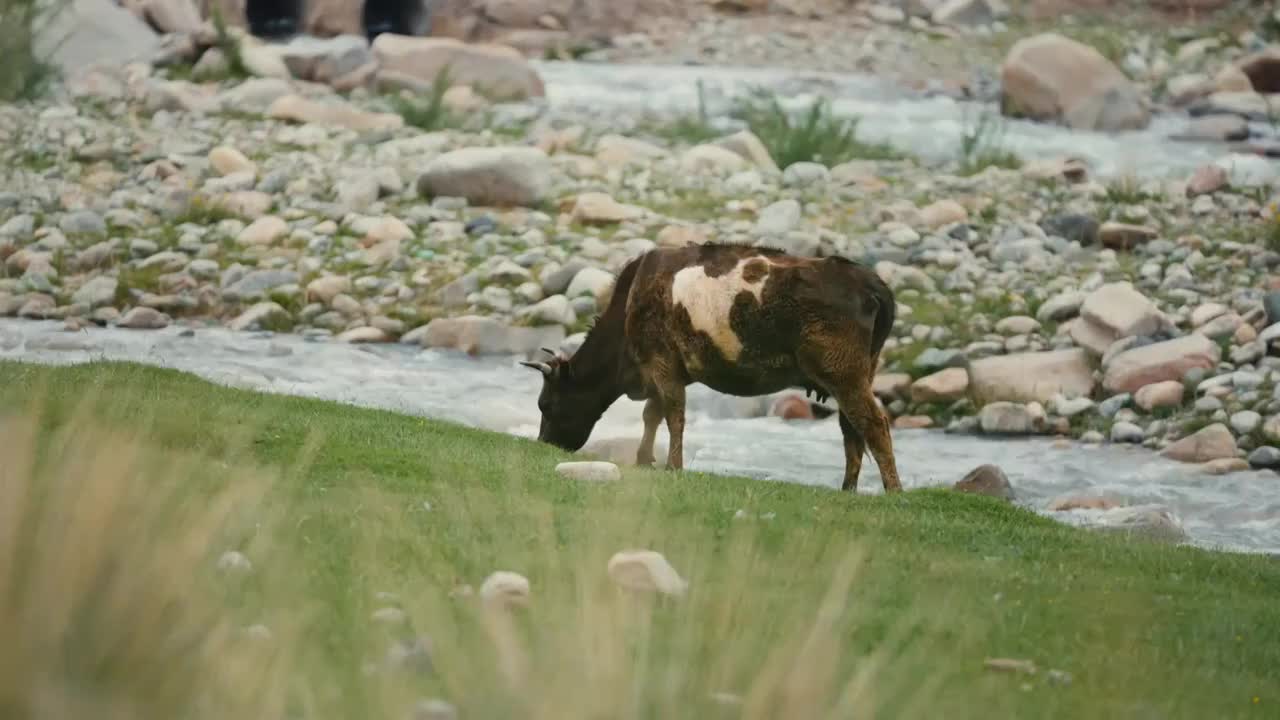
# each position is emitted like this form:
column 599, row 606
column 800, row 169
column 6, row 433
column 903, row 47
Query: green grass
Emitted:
column 814, row 135
column 982, row 146
column 428, row 113
column 837, row 606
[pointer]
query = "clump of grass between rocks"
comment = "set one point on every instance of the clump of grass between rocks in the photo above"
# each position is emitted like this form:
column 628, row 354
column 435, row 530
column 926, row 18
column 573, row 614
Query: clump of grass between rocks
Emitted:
column 25, row 74
column 982, row 146
column 816, row 134
column 427, row 113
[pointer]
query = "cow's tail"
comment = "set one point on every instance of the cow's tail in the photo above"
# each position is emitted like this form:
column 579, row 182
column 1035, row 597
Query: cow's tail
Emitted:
column 886, row 313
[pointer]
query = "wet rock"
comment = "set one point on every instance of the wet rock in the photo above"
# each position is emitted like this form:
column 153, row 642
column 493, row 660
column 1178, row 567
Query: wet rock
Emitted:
column 504, row 589
column 1214, row 128
column 1126, row 432
column 1032, row 376
column 943, row 386
column 589, row 471
column 1211, row 443
column 1150, row 521
column 365, row 334
column 1067, row 503
column 646, row 571
column 1053, row 78
column 144, row 318
column 1224, row 466
column 1006, row 418
column 1137, row 367
column 496, row 176
column 1164, row 394
column 987, row 480
column 500, row 69
column 477, row 335
column 1265, row 457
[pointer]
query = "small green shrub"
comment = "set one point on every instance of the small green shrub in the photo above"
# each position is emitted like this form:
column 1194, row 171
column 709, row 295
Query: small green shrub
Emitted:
column 814, row 135
column 230, row 47
column 429, row 113
column 982, row 146
column 692, row 128
column 25, row 74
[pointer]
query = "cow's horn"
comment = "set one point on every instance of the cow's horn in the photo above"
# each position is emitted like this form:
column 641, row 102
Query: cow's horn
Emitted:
column 548, row 351
column 541, row 367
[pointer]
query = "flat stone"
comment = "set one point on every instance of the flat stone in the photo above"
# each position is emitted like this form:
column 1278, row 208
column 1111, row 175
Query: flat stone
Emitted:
column 943, row 386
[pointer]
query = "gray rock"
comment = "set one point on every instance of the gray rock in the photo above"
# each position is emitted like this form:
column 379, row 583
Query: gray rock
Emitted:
column 936, row 359
column 987, row 480
column 778, row 218
column 498, row 176
column 1245, row 422
column 325, row 59
column 1126, row 432
column 804, row 174
column 476, row 335
column 1265, row 456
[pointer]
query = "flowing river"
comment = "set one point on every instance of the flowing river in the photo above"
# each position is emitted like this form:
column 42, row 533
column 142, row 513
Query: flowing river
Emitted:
column 1236, row 512
column 929, row 126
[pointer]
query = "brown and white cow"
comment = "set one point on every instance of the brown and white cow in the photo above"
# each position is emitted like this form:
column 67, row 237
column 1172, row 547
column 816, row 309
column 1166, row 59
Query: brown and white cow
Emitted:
column 741, row 320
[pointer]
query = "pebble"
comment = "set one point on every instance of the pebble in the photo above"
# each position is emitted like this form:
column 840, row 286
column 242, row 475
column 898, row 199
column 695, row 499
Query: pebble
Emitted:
column 233, row 561
column 504, row 589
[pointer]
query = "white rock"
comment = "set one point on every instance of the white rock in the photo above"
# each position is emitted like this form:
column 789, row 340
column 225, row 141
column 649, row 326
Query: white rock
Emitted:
column 505, row 589
column 646, row 570
column 591, row 471
column 234, row 561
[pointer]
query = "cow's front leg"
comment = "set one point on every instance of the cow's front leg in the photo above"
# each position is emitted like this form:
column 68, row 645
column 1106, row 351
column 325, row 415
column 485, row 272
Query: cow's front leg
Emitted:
column 673, row 405
column 653, row 414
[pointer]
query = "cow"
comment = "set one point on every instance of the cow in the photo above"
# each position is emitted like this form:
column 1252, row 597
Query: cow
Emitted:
column 742, row 320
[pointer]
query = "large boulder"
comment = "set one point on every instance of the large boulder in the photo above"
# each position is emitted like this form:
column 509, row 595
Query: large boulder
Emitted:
column 496, row 176
column 88, row 32
column 1169, row 360
column 1038, row 376
column 1214, row 442
column 496, row 70
column 1053, row 78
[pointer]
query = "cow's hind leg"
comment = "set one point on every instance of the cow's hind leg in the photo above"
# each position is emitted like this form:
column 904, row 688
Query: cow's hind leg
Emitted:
column 832, row 361
column 673, row 408
column 653, row 414
column 867, row 417
column 854, row 447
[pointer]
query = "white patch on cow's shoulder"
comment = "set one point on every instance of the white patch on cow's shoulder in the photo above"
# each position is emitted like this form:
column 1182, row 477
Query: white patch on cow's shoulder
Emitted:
column 708, row 300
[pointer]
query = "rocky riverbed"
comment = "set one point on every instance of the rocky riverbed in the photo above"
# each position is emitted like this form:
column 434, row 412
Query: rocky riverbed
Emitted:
column 1113, row 286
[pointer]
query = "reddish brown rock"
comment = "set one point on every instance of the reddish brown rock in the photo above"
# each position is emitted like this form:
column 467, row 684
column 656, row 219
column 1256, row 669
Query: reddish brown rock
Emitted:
column 1207, row 179
column 1157, row 362
column 791, row 407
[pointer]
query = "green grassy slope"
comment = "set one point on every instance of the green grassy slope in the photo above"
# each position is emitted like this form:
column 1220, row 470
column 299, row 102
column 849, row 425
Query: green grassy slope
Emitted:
column 834, row 604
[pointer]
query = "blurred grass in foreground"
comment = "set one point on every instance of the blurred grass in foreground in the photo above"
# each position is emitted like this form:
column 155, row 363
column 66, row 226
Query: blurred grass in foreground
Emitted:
column 122, row 486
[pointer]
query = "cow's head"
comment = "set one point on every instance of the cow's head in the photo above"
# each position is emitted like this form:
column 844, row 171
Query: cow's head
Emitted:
column 569, row 406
